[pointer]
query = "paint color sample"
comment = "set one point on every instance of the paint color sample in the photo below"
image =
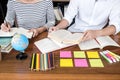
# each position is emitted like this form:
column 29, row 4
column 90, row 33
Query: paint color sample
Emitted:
column 65, row 54
column 93, row 54
column 80, row 63
column 66, row 63
column 96, row 63
column 79, row 54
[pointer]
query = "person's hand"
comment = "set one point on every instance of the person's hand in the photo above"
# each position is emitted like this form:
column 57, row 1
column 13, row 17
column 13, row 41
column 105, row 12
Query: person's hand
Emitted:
column 53, row 29
column 35, row 32
column 90, row 34
column 5, row 27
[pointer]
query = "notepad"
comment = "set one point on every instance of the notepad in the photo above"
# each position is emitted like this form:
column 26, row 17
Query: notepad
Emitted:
column 96, row 63
column 80, row 63
column 15, row 30
column 80, row 59
column 66, row 63
column 79, row 54
column 66, row 54
column 93, row 54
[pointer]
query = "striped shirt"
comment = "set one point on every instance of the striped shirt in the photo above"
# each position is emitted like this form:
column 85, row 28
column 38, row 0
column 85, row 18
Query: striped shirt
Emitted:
column 31, row 15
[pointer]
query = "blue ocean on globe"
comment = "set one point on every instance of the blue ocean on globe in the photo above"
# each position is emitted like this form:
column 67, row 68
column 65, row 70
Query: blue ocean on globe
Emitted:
column 19, row 42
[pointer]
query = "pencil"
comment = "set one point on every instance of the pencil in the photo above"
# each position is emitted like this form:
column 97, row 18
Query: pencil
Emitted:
column 32, row 64
column 37, row 62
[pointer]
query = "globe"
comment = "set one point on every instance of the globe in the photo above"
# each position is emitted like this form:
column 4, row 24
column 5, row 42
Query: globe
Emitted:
column 20, row 42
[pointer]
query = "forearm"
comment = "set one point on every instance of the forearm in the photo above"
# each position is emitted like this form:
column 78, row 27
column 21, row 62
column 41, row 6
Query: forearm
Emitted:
column 63, row 24
column 109, row 30
column 41, row 29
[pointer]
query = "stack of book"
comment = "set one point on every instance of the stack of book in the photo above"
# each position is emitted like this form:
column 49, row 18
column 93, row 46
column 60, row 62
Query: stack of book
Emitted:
column 42, row 62
column 0, row 54
column 5, row 43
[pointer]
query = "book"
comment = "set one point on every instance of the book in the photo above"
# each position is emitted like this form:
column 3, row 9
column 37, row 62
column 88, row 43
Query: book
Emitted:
column 99, row 42
column 0, row 54
column 57, row 40
column 47, row 45
column 5, row 41
column 7, row 49
column 65, row 36
column 57, row 14
column 15, row 30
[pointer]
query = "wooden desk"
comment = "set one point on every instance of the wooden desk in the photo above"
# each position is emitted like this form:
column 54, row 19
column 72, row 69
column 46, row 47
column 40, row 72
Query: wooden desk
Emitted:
column 10, row 68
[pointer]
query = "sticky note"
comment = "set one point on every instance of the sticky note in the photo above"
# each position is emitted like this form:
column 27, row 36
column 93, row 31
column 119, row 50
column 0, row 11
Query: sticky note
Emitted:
column 96, row 63
column 66, row 63
column 65, row 54
column 93, row 54
column 80, row 63
column 79, row 54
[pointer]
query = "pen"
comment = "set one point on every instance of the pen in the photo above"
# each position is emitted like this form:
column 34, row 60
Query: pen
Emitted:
column 110, row 57
column 106, row 57
column 6, row 23
column 114, row 54
column 84, row 34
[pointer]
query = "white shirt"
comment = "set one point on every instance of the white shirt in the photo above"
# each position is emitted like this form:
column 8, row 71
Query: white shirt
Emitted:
column 93, row 14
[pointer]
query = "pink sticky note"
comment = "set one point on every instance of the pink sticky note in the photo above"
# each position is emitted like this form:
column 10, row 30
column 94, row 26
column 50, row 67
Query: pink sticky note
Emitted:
column 65, row 54
column 80, row 63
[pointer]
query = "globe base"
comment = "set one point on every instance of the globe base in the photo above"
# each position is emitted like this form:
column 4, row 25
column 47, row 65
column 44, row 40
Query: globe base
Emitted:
column 21, row 56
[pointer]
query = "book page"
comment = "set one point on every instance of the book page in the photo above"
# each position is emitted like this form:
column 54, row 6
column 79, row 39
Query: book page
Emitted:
column 62, row 45
column 74, row 38
column 46, row 45
column 106, row 41
column 59, row 35
column 8, row 34
column 25, row 32
column 90, row 44
column 15, row 30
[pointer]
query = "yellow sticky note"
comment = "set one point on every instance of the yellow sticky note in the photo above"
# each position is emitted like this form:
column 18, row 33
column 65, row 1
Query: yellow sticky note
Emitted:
column 93, row 54
column 66, row 63
column 79, row 54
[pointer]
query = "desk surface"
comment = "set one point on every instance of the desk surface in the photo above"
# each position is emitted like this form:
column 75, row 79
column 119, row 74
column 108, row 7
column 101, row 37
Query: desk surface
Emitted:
column 10, row 68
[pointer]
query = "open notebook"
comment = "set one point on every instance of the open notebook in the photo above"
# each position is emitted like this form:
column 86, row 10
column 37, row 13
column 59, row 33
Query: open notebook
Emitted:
column 99, row 42
column 48, row 45
column 15, row 30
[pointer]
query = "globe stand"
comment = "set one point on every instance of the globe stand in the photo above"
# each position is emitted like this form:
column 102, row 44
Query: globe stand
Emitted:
column 21, row 56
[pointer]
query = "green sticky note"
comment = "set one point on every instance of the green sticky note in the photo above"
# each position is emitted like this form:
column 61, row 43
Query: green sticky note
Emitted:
column 93, row 54
column 66, row 63
column 96, row 63
column 79, row 54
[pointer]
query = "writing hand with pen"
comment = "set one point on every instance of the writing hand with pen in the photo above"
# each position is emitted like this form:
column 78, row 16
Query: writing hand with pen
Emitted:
column 5, row 27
